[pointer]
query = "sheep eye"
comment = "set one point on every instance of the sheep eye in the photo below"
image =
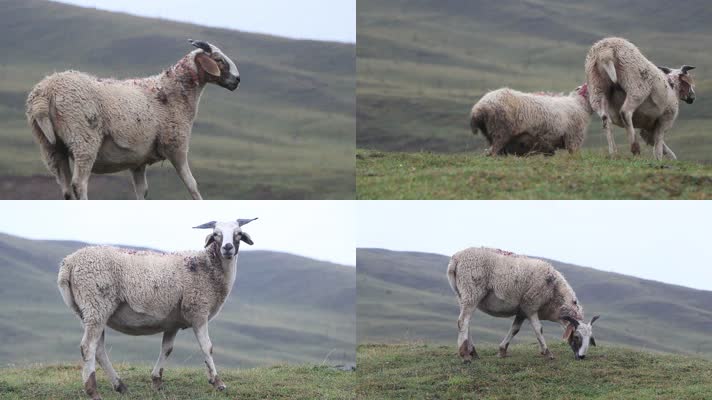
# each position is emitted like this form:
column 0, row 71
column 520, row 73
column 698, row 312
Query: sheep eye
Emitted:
column 575, row 302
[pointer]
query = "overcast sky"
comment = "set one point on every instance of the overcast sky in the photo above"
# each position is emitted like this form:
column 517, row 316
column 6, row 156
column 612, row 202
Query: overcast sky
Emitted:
column 667, row 241
column 332, row 20
column 324, row 230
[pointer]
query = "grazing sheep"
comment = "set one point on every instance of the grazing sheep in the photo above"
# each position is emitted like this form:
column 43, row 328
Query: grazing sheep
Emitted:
column 521, row 123
column 503, row 284
column 106, row 125
column 146, row 292
column 631, row 92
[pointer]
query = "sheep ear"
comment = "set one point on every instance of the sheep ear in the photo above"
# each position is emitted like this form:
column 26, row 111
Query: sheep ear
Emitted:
column 241, row 222
column 246, row 238
column 209, row 239
column 593, row 341
column 666, row 70
column 568, row 333
column 207, row 64
column 594, row 319
column 207, row 225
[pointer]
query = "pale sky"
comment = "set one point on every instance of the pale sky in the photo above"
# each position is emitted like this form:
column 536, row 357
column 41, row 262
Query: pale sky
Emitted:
column 330, row 20
column 323, row 230
column 666, row 241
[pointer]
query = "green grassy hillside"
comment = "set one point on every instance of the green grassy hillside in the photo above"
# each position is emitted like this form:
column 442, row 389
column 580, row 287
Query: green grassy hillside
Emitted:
column 588, row 175
column 287, row 132
column 405, row 296
column 422, row 64
column 283, row 309
column 417, row 371
column 277, row 382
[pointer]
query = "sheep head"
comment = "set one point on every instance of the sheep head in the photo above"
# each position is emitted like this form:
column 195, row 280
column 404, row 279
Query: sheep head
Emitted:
column 682, row 81
column 579, row 335
column 215, row 65
column 227, row 236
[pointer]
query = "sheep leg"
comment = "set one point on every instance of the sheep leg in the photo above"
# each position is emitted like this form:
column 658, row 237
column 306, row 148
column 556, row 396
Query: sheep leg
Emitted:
column 602, row 112
column 166, row 349
column 90, row 341
column 658, row 138
column 516, row 325
column 498, row 143
column 539, row 332
column 138, row 175
column 629, row 106
column 82, row 171
column 57, row 163
column 180, row 163
column 103, row 358
column 201, row 333
column 668, row 152
column 465, row 346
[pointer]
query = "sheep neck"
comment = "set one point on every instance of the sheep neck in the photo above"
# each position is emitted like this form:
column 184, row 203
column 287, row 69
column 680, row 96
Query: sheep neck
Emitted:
column 183, row 80
column 228, row 268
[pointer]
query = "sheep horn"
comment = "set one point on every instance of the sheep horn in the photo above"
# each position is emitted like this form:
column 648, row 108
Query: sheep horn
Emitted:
column 594, row 319
column 241, row 222
column 201, row 45
column 207, row 225
column 686, row 68
column 571, row 321
column 666, row 70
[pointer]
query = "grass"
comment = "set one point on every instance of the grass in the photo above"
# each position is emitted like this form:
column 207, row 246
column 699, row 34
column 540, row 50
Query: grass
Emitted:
column 278, row 382
column 419, row 371
column 588, row 175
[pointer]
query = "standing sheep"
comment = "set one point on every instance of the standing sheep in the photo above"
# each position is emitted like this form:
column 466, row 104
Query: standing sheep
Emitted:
column 503, row 284
column 631, row 92
column 520, row 123
column 145, row 292
column 105, row 126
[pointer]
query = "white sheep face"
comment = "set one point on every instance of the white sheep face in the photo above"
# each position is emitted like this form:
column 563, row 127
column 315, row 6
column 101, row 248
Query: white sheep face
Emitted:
column 581, row 338
column 227, row 236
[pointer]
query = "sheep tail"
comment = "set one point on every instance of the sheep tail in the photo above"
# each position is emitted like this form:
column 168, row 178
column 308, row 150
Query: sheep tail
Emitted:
column 452, row 276
column 605, row 61
column 38, row 114
column 65, row 288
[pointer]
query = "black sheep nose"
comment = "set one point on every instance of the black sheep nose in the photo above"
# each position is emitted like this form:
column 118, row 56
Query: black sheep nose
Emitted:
column 582, row 357
column 228, row 246
column 238, row 79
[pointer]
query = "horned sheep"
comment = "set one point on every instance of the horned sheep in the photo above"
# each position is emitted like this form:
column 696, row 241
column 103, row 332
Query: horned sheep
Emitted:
column 145, row 292
column 104, row 125
column 504, row 284
column 631, row 92
column 520, row 123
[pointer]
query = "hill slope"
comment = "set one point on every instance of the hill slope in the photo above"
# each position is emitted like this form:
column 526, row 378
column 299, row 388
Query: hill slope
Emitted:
column 430, row 372
column 405, row 296
column 278, row 382
column 287, row 132
column 422, row 64
column 284, row 308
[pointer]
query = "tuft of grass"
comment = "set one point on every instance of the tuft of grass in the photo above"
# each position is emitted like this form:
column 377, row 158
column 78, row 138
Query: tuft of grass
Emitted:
column 277, row 382
column 585, row 175
column 420, row 371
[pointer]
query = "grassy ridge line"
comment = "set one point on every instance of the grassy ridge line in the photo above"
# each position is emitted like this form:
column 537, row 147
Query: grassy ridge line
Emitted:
column 587, row 175
column 418, row 371
column 278, row 382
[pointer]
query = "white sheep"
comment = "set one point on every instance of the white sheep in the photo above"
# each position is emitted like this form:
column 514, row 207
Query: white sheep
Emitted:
column 504, row 284
column 520, row 123
column 146, row 292
column 631, row 92
column 106, row 125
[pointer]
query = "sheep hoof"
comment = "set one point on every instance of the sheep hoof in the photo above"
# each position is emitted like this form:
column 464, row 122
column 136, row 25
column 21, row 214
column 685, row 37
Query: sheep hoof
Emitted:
column 157, row 383
column 121, row 388
column 467, row 362
column 218, row 384
column 548, row 354
column 635, row 148
column 502, row 353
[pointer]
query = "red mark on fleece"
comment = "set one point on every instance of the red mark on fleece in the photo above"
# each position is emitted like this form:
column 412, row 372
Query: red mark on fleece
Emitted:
column 506, row 253
column 184, row 68
column 584, row 90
